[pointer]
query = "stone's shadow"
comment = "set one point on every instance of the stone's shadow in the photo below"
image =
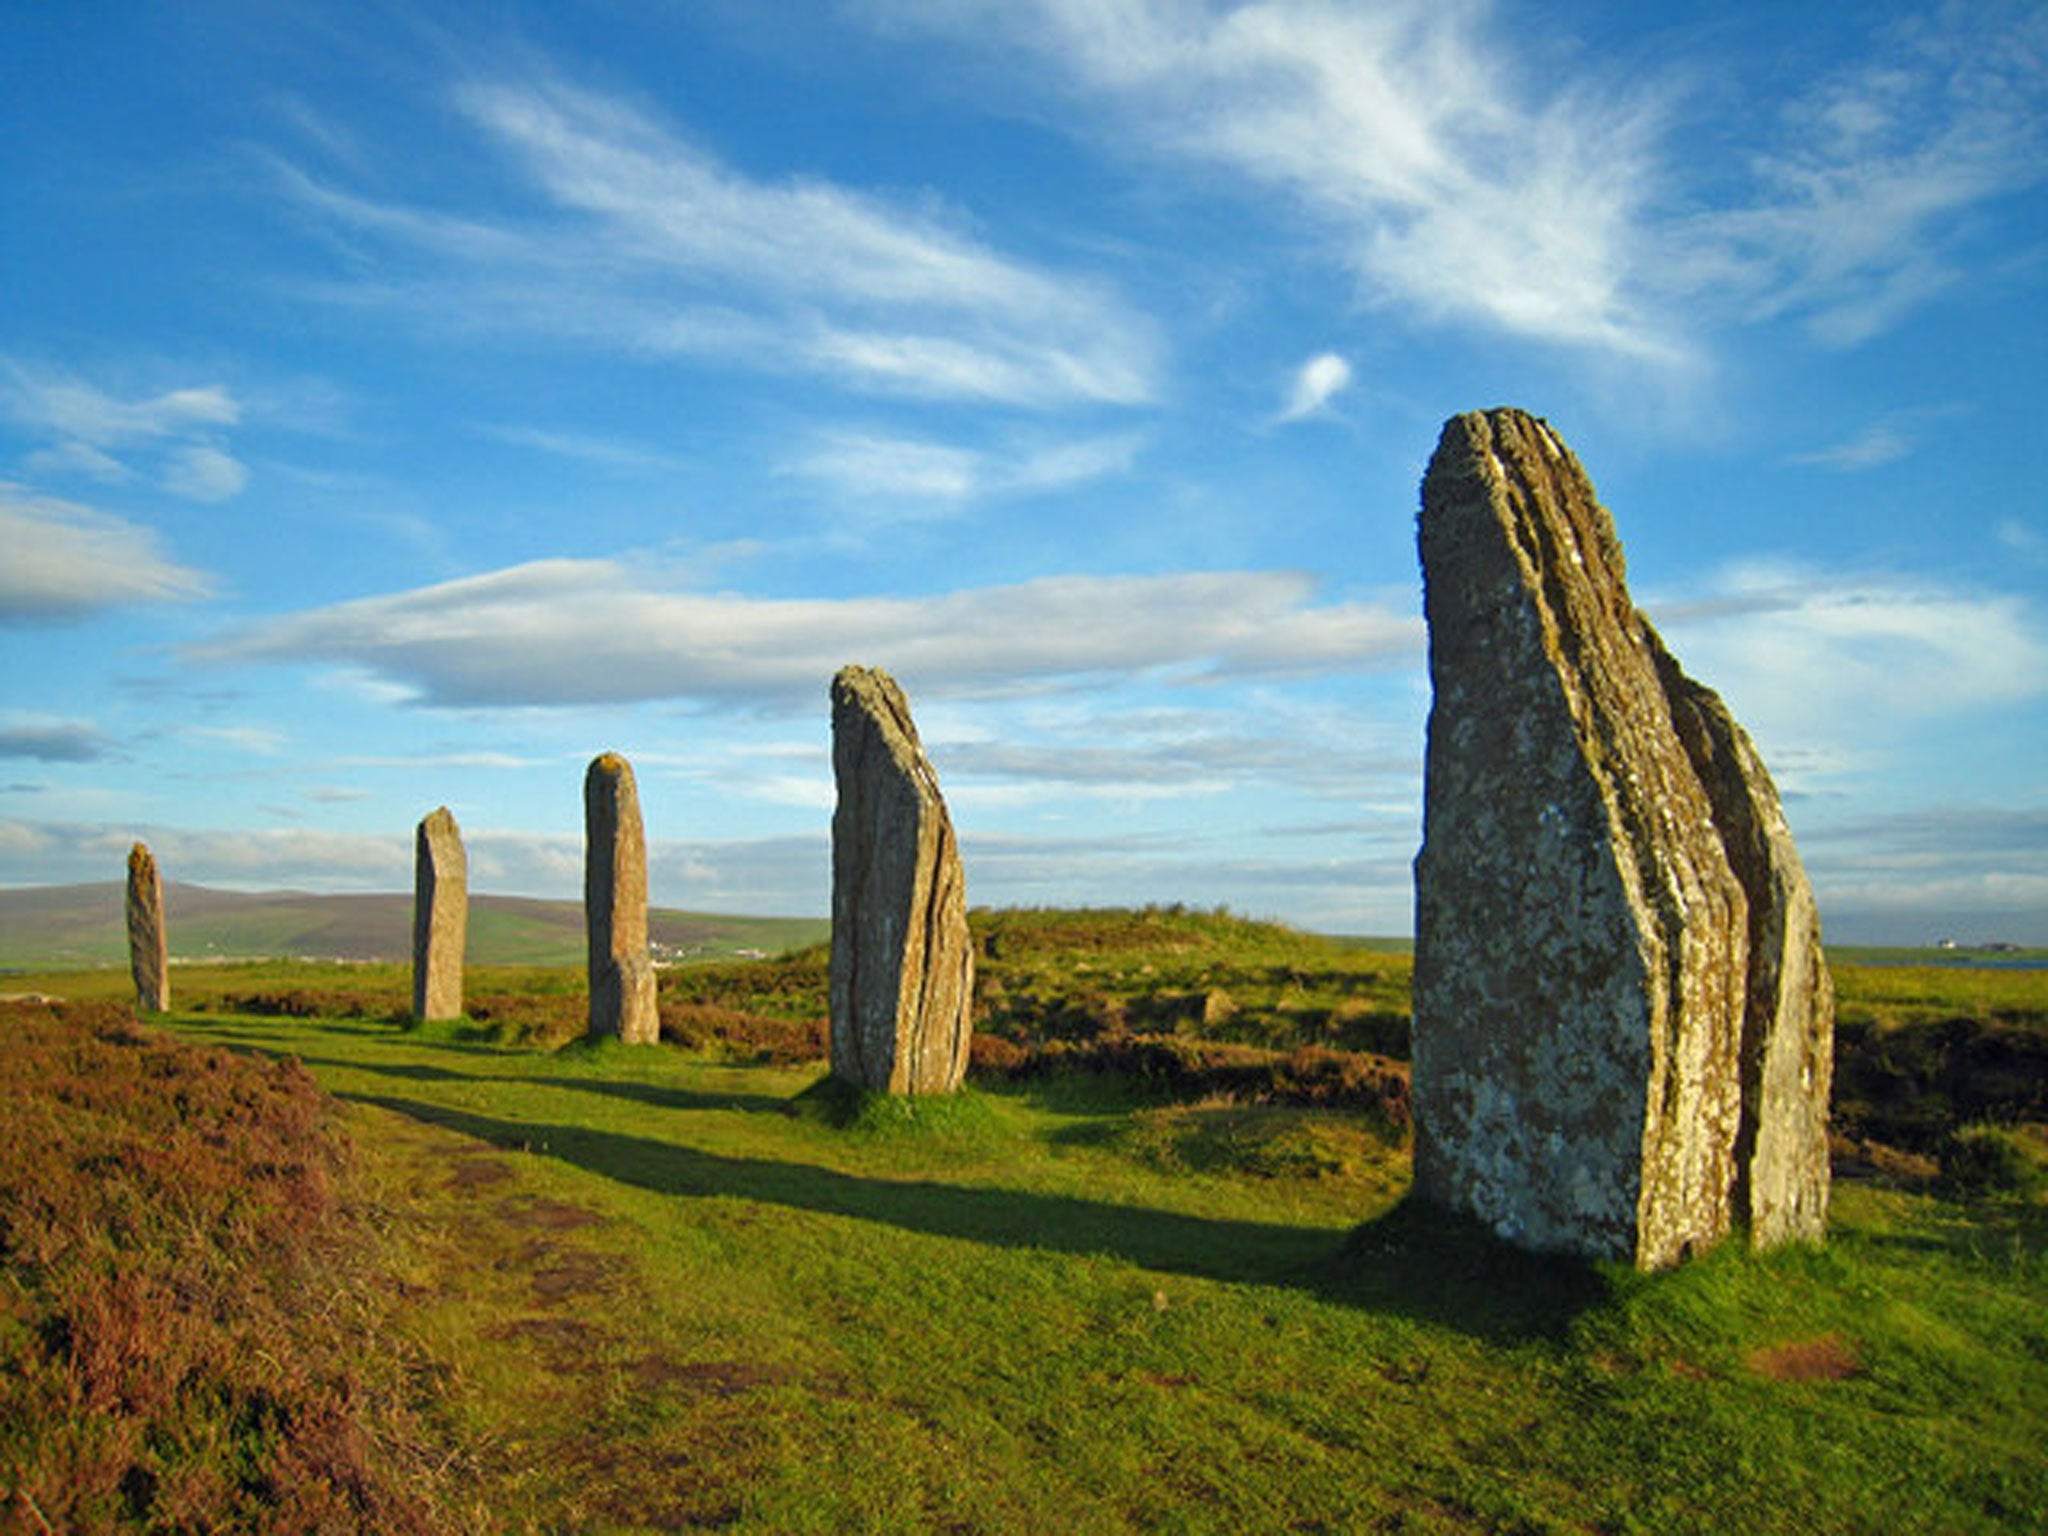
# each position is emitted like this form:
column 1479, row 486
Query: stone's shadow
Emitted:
column 639, row 1093
column 666, row 1098
column 1412, row 1262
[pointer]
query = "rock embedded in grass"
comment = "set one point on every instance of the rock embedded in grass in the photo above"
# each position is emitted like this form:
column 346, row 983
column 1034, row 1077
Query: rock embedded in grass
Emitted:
column 902, row 977
column 622, row 1000
column 148, row 938
column 440, row 916
column 1622, row 1023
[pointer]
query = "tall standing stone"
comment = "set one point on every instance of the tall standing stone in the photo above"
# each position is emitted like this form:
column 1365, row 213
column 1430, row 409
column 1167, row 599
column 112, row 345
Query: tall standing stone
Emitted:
column 622, row 994
column 440, row 916
column 902, row 962
column 1782, row 1175
column 149, row 960
column 1594, row 1070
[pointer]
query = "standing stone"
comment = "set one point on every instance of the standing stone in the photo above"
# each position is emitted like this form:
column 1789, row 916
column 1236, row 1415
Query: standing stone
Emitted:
column 440, row 917
column 1586, row 997
column 1782, row 1174
column 149, row 960
column 622, row 1000
column 902, row 961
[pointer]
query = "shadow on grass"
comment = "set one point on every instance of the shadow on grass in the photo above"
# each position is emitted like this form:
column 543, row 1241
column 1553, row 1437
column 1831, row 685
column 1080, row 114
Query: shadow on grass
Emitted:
column 1412, row 1262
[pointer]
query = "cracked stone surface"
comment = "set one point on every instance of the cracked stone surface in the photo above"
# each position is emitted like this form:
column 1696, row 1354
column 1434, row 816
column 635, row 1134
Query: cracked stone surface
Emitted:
column 1599, row 1065
column 902, row 980
column 148, row 939
column 622, row 997
column 440, row 916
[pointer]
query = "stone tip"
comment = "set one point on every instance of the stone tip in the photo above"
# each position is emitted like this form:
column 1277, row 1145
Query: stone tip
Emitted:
column 609, row 763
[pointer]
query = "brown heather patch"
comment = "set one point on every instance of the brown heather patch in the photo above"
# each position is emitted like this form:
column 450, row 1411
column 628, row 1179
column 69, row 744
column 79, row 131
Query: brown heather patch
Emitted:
column 1830, row 1357
column 179, row 1292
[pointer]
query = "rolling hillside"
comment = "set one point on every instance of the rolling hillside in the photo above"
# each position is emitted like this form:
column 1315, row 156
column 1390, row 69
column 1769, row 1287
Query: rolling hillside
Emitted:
column 57, row 927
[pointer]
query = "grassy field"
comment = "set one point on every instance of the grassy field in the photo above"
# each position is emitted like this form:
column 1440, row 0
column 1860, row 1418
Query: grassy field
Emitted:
column 617, row 1289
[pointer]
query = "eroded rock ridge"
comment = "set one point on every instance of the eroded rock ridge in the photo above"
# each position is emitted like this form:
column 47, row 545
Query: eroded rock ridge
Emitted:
column 440, row 916
column 149, row 959
column 1622, row 1017
column 622, row 995
column 902, row 980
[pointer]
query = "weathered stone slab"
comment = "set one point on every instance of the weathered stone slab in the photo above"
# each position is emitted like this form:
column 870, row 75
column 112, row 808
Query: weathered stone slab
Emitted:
column 902, row 981
column 1582, row 943
column 149, row 960
column 622, row 981
column 440, row 916
column 1782, row 1174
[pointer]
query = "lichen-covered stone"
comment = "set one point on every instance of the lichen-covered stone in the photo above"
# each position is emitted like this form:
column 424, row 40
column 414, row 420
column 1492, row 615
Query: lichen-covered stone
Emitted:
column 1582, row 944
column 1788, row 1029
column 622, row 993
column 902, row 980
column 440, row 916
column 149, row 960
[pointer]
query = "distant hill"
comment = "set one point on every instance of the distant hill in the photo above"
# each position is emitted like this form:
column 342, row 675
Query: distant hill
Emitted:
column 60, row 927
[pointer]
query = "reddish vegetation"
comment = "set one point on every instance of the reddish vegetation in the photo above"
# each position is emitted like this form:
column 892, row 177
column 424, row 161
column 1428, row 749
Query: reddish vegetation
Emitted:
column 1827, row 1358
column 177, row 1282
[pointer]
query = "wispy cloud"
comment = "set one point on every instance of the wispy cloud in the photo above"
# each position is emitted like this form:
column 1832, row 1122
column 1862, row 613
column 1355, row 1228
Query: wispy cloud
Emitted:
column 65, row 561
column 1858, row 216
column 1814, row 661
column 613, row 455
column 91, row 432
column 1464, row 177
column 1316, row 383
column 581, row 632
column 1871, row 448
column 644, row 241
column 924, row 478
column 1447, row 179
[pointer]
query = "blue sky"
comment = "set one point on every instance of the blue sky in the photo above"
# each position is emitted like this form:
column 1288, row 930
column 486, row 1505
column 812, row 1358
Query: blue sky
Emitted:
column 400, row 405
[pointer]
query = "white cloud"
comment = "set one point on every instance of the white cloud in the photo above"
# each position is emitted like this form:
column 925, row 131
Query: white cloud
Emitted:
column 1811, row 661
column 648, row 242
column 929, row 475
column 65, row 561
column 93, row 430
column 74, row 411
column 1439, row 172
column 1863, row 196
column 581, row 632
column 613, row 455
column 1316, row 383
column 201, row 473
column 1466, row 176
column 1871, row 448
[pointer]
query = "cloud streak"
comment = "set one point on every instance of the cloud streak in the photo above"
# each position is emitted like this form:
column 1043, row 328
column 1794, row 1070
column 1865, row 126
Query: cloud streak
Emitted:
column 1461, row 182
column 96, row 434
column 926, row 478
column 566, row 632
column 645, row 242
column 65, row 562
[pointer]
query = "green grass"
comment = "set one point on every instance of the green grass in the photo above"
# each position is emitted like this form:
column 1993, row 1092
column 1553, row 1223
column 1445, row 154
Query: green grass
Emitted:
column 660, row 1289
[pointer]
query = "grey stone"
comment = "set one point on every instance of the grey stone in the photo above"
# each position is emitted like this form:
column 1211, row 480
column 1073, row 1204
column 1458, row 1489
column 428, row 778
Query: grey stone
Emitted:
column 440, row 916
column 902, row 982
column 1584, row 973
column 1782, row 1173
column 149, row 960
column 622, row 991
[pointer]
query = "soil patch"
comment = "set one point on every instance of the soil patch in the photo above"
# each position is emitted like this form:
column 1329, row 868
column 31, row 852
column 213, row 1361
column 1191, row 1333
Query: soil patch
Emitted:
column 1829, row 1357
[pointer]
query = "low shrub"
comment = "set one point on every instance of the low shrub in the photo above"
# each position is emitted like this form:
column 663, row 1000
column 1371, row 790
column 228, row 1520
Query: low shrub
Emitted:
column 1986, row 1160
column 175, row 1275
